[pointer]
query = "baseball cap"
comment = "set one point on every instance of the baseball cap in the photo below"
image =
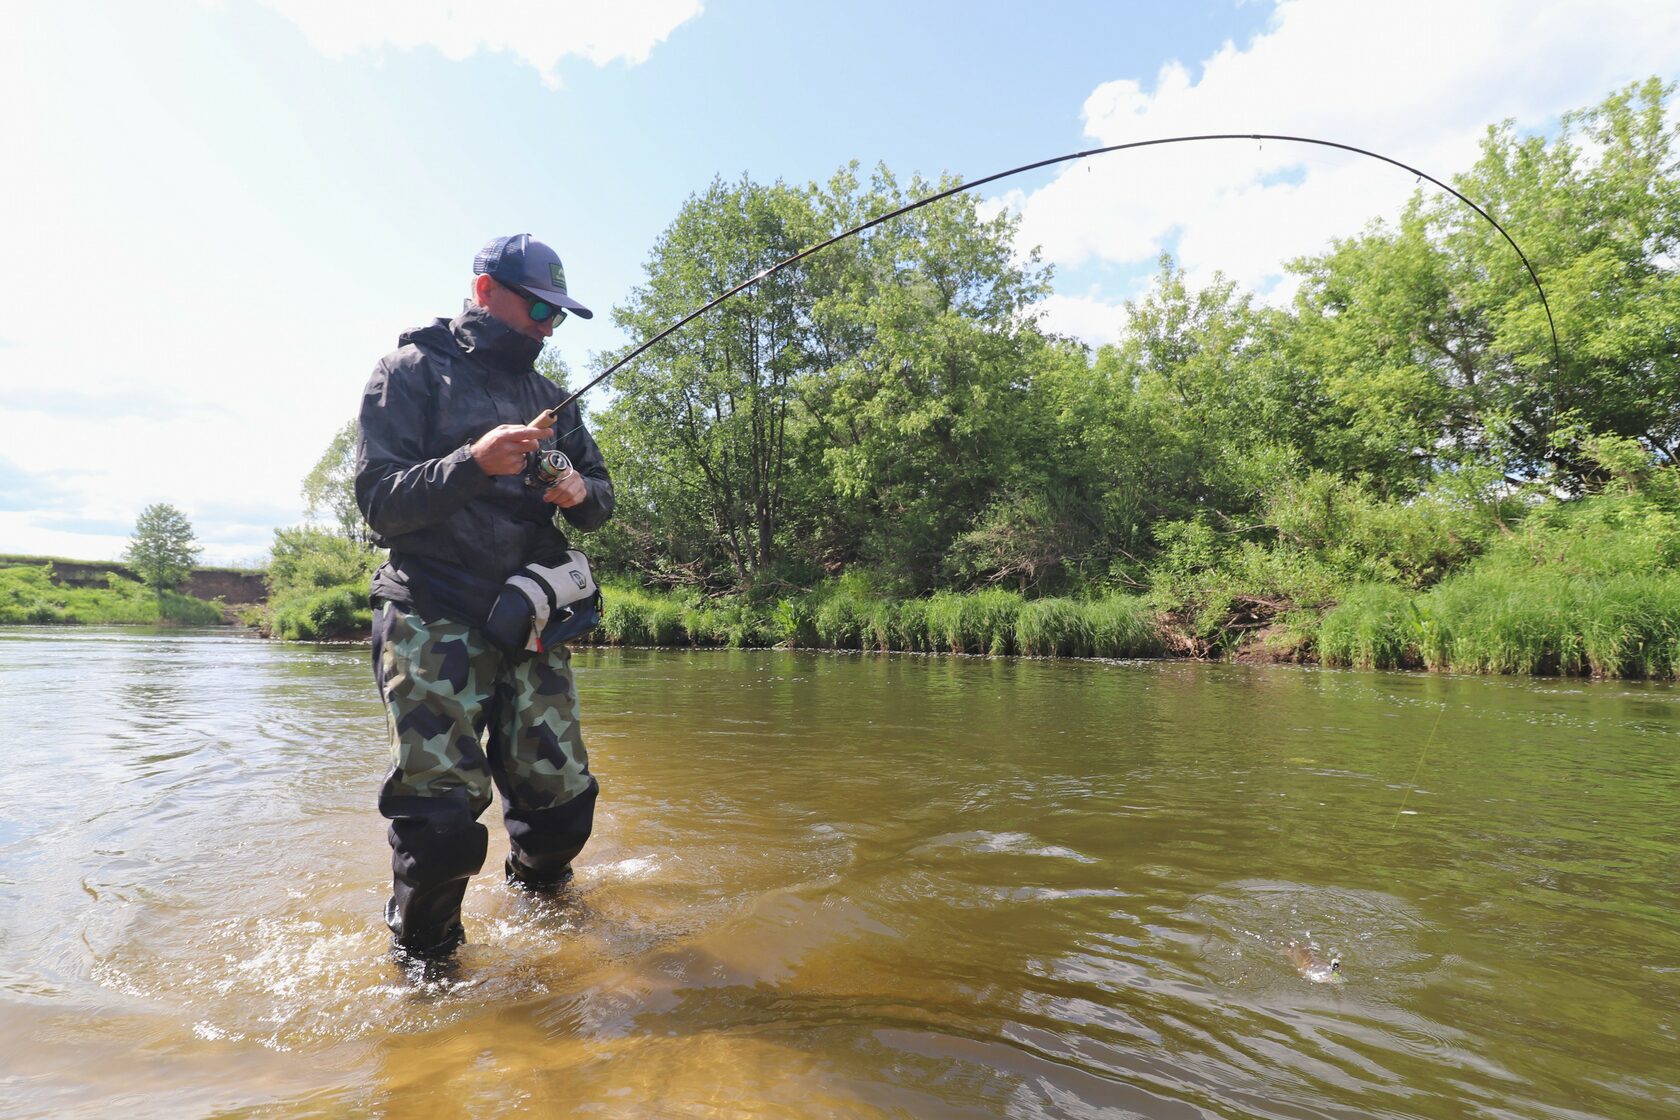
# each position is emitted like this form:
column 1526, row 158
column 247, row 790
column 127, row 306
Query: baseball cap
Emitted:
column 525, row 262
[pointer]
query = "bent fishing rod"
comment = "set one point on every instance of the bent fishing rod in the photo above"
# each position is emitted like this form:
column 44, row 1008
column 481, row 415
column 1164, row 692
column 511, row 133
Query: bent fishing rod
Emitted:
column 548, row 417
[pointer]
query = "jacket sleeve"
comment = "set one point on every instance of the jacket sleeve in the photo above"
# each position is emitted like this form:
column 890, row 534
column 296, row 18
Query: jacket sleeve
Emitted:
column 398, row 487
column 579, row 446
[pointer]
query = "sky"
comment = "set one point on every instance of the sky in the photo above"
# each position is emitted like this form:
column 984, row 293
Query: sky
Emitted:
column 216, row 216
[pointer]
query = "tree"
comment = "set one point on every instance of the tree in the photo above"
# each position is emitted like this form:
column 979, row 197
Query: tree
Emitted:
column 865, row 405
column 708, row 412
column 1433, row 347
column 924, row 402
column 330, row 487
column 163, row 550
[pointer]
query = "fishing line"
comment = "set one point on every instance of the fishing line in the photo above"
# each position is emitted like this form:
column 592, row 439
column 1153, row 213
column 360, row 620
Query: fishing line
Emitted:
column 1424, row 753
column 547, row 418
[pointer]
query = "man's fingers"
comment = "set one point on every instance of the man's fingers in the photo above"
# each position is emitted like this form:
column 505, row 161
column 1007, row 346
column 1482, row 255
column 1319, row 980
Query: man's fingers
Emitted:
column 567, row 492
column 520, row 436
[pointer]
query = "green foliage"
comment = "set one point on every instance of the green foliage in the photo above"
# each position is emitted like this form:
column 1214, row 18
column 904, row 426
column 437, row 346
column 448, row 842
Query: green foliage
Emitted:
column 162, row 550
column 1587, row 586
column 861, row 406
column 307, row 558
column 29, row 596
column 330, row 487
column 1393, row 471
column 318, row 584
column 1375, row 626
column 850, row 614
column 322, row 614
column 1052, row 628
column 1121, row 626
column 634, row 617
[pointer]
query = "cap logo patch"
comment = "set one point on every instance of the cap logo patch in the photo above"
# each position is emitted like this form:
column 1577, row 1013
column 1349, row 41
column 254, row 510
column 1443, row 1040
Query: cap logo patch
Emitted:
column 558, row 275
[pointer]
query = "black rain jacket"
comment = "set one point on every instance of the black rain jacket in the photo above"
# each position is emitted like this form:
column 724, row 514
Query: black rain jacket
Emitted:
column 455, row 533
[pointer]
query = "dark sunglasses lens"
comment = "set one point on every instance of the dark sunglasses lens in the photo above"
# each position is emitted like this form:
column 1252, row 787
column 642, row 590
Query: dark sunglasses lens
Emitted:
column 542, row 311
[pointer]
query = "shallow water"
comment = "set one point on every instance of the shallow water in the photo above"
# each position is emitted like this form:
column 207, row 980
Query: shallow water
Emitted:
column 856, row 886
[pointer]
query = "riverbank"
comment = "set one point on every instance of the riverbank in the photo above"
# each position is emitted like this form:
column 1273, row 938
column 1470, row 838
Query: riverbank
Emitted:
column 31, row 592
column 1627, row 625
column 1584, row 588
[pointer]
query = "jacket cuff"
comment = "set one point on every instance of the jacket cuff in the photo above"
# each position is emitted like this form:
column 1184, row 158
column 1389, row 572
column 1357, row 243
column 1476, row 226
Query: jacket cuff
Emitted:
column 461, row 462
column 591, row 513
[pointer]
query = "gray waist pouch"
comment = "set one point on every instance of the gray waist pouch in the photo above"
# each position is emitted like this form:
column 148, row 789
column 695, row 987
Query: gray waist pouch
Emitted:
column 542, row 606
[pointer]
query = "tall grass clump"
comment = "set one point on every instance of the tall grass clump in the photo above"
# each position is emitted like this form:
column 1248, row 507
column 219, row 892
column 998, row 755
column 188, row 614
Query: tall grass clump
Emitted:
column 944, row 622
column 839, row 619
column 1584, row 586
column 1375, row 626
column 908, row 627
column 1631, row 627
column 978, row 622
column 635, row 616
column 1496, row 621
column 1121, row 626
column 1052, row 628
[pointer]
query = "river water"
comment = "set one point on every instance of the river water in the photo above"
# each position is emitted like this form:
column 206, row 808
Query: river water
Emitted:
column 830, row 885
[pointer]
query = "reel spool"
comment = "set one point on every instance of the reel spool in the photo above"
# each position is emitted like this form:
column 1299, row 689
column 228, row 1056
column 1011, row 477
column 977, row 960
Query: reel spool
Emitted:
column 544, row 468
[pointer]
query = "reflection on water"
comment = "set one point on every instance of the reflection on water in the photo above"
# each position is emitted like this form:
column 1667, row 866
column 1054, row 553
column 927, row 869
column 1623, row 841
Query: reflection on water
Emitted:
column 861, row 886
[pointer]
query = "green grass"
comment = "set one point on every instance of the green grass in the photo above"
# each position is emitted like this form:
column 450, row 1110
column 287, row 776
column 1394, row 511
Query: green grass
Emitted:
column 847, row 615
column 28, row 596
column 1375, row 626
column 1495, row 621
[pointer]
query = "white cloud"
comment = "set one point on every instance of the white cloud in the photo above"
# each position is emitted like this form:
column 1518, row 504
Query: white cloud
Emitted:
column 1088, row 318
column 1418, row 82
column 539, row 32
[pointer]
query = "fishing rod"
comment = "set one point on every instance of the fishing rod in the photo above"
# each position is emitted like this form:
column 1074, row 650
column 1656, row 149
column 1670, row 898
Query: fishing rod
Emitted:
column 547, row 418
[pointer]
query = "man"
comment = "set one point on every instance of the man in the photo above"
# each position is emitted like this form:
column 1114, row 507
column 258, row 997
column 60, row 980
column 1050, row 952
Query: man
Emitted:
column 445, row 434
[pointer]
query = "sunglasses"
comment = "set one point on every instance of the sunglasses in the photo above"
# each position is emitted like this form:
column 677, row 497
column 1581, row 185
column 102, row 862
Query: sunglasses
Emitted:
column 541, row 310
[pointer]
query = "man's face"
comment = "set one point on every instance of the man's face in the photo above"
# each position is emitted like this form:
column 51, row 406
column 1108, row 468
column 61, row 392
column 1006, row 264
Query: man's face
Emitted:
column 511, row 308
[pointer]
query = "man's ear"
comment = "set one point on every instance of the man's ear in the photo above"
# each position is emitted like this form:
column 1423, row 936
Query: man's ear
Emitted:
column 481, row 289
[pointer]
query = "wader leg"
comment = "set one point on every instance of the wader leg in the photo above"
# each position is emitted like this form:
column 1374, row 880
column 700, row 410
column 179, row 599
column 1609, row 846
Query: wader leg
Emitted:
column 436, row 678
column 542, row 769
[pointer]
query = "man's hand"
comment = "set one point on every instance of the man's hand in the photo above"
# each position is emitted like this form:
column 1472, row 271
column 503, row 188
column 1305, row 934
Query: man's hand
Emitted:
column 568, row 491
column 502, row 449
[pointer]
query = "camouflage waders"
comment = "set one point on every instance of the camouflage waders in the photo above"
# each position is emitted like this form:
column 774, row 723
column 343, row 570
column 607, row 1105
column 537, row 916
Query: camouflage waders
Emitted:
column 444, row 685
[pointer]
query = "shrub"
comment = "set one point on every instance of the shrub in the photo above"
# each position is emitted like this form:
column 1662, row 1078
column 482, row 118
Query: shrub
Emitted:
column 839, row 619
column 333, row 612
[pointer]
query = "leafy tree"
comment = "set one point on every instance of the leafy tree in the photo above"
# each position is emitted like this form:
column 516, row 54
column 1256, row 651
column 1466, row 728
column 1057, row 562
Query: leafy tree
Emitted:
column 162, row 550
column 923, row 406
column 1432, row 347
column 330, row 487
column 706, row 419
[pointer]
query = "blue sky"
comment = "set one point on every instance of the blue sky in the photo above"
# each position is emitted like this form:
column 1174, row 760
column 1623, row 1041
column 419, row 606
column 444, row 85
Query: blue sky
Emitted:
column 219, row 215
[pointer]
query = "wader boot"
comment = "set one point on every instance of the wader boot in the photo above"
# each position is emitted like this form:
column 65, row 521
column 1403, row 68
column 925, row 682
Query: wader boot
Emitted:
column 445, row 686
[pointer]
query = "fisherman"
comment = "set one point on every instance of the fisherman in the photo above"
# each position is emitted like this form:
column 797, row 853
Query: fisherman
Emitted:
column 445, row 437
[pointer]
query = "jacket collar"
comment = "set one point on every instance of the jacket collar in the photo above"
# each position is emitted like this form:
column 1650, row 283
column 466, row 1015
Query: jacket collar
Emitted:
column 493, row 342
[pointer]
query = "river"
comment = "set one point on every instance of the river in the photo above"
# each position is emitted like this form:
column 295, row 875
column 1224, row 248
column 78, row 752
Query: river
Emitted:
column 832, row 885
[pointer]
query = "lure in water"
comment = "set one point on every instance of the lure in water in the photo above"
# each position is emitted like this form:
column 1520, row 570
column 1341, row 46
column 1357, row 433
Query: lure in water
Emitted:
column 1311, row 967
